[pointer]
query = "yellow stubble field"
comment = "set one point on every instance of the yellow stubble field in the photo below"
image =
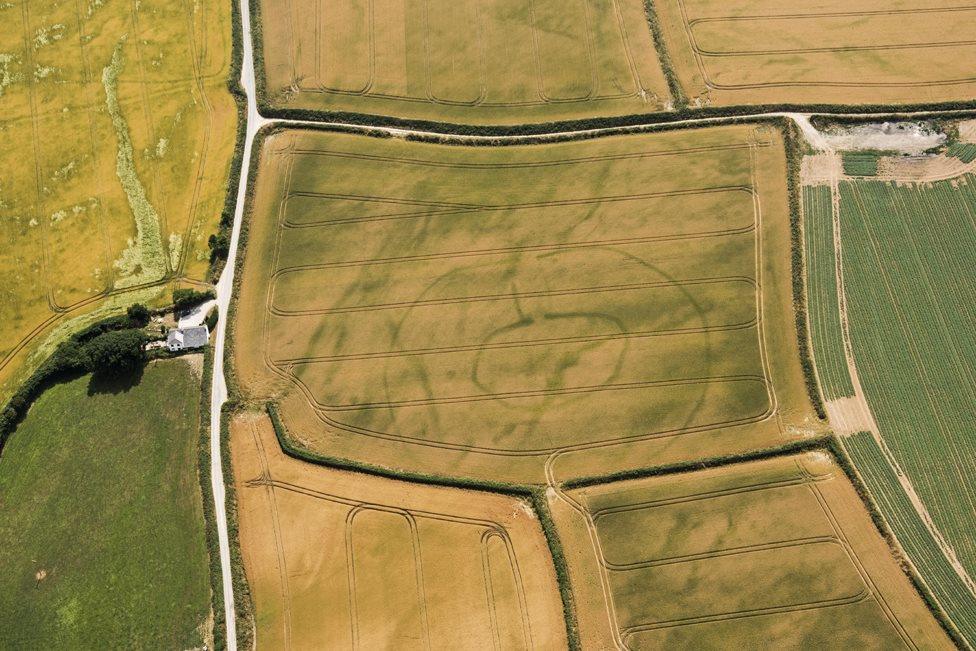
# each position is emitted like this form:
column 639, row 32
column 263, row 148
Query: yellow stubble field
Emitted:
column 116, row 135
column 733, row 557
column 514, row 313
column 344, row 560
column 824, row 52
column 499, row 62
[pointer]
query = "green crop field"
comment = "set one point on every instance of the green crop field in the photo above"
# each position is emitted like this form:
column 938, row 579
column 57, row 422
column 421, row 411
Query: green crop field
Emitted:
column 908, row 277
column 116, row 134
column 964, row 151
column 825, row 324
column 462, row 61
column 860, row 163
column 101, row 518
column 587, row 306
column 910, row 530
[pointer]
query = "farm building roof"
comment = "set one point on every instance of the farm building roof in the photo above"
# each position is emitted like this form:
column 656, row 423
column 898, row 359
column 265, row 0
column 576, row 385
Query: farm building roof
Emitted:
column 193, row 337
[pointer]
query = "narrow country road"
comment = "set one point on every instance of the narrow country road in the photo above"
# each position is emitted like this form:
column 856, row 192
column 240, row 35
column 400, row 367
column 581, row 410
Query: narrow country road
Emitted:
column 224, row 288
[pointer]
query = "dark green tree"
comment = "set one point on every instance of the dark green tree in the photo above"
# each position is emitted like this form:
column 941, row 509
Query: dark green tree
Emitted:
column 115, row 352
column 138, row 315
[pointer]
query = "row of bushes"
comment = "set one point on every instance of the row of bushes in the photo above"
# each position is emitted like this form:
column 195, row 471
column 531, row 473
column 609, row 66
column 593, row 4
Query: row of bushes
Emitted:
column 219, row 242
column 112, row 345
column 185, row 299
column 663, row 56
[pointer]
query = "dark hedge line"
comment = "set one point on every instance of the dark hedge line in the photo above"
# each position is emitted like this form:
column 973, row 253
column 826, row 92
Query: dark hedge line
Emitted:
column 541, row 505
column 517, row 141
column 794, row 154
column 786, row 449
column 338, row 463
column 663, row 57
column 836, row 449
column 881, row 112
column 257, row 46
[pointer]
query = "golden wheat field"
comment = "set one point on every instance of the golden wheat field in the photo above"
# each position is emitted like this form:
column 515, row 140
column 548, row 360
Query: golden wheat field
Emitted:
column 580, row 308
column 738, row 557
column 116, row 133
column 823, row 52
column 344, row 560
column 502, row 61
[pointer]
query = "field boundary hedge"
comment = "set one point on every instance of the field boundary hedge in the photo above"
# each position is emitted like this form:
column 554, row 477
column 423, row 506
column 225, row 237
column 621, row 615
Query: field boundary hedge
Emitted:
column 792, row 141
column 663, row 56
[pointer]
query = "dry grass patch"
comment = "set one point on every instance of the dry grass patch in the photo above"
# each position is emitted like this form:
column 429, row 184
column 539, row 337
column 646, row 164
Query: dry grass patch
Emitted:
column 463, row 60
column 734, row 557
column 116, row 132
column 342, row 560
column 490, row 312
column 837, row 52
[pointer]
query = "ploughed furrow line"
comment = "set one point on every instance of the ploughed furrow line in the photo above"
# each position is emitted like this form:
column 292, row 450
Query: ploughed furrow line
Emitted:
column 707, row 149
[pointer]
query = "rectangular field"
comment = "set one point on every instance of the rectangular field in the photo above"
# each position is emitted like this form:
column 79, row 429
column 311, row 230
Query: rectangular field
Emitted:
column 590, row 306
column 341, row 560
column 908, row 252
column 740, row 52
column 468, row 61
column 734, row 557
column 116, row 133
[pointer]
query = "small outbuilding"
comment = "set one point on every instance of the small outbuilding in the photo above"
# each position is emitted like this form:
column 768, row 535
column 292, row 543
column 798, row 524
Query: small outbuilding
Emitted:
column 187, row 338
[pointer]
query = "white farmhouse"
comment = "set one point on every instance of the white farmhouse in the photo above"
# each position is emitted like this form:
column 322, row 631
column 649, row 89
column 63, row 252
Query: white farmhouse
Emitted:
column 185, row 338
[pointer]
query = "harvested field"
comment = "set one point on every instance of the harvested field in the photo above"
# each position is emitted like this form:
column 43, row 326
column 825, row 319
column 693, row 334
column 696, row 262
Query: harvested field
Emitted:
column 735, row 557
column 502, row 62
column 907, row 253
column 867, row 52
column 342, row 560
column 599, row 305
column 116, row 133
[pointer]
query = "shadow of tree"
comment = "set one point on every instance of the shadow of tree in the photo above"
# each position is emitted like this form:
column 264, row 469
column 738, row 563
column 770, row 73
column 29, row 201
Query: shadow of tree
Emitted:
column 115, row 382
